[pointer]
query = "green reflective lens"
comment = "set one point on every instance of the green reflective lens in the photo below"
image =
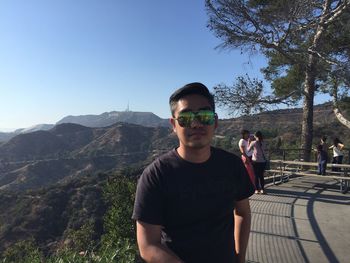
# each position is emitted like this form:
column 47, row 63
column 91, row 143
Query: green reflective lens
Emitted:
column 205, row 117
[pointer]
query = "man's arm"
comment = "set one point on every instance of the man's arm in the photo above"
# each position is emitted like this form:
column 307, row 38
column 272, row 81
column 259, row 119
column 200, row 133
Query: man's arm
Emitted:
column 242, row 228
column 242, row 150
column 151, row 249
column 241, row 147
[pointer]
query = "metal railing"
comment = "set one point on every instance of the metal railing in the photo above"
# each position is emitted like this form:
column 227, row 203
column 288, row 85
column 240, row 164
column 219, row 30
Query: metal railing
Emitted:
column 283, row 169
column 297, row 153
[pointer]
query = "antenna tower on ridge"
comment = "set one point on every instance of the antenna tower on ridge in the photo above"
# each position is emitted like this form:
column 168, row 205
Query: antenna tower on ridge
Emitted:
column 127, row 108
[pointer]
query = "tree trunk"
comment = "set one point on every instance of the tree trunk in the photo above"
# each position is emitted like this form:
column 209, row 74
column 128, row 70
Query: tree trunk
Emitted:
column 309, row 85
column 308, row 115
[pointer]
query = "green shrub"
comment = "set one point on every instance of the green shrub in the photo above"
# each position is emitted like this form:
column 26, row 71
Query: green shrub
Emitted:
column 24, row 251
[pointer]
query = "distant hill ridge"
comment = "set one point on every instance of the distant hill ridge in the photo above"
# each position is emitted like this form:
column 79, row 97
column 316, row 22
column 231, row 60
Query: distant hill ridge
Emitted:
column 147, row 119
column 75, row 149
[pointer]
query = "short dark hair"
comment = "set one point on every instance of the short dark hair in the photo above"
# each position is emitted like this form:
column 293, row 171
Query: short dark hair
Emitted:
column 189, row 89
column 244, row 132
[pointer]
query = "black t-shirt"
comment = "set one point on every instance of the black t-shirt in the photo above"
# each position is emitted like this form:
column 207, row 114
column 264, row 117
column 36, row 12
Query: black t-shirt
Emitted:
column 194, row 203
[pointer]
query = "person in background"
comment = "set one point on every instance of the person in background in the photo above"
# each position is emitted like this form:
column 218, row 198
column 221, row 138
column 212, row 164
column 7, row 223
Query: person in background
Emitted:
column 322, row 160
column 259, row 161
column 247, row 155
column 243, row 145
column 337, row 153
column 325, row 145
column 192, row 203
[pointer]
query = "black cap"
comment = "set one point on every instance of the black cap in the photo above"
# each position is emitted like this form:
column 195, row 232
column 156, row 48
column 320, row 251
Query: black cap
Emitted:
column 191, row 88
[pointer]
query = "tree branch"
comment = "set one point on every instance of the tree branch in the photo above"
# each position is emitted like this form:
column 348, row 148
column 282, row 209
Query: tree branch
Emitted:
column 341, row 118
column 331, row 62
column 333, row 15
column 246, row 96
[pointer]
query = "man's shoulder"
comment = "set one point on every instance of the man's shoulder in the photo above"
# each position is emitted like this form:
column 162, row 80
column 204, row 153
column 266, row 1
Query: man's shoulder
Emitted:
column 162, row 161
column 242, row 142
column 225, row 155
column 165, row 158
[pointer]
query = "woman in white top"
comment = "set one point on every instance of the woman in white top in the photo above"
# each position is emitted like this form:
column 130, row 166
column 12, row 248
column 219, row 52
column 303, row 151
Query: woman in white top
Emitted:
column 337, row 153
column 247, row 155
column 259, row 161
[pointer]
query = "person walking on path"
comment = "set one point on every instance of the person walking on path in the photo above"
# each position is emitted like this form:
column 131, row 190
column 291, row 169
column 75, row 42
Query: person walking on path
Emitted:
column 259, row 161
column 192, row 203
column 337, row 153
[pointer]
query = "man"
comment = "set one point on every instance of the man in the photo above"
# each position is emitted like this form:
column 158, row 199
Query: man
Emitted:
column 246, row 156
column 243, row 146
column 325, row 146
column 185, row 199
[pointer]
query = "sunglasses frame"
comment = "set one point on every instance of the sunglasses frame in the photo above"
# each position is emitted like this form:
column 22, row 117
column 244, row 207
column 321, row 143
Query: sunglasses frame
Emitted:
column 195, row 115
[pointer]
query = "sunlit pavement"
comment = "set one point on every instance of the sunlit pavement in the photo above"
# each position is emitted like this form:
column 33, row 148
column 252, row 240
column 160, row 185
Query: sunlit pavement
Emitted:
column 304, row 220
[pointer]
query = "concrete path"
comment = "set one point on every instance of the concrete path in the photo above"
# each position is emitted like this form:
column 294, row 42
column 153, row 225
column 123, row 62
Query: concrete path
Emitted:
column 304, row 220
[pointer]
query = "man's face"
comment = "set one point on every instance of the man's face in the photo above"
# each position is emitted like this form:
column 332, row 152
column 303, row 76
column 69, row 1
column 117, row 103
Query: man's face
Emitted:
column 197, row 135
column 246, row 135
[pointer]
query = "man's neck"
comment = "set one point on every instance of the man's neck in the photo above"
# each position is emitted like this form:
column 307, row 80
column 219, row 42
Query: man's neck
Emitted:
column 194, row 155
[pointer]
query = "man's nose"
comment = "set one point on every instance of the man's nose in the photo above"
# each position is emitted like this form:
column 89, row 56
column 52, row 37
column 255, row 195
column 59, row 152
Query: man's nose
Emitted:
column 196, row 123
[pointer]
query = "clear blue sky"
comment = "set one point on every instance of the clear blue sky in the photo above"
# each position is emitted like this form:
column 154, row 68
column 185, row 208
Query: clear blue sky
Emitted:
column 76, row 57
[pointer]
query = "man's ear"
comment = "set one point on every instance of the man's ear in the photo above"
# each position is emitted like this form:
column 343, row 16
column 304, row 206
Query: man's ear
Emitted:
column 172, row 123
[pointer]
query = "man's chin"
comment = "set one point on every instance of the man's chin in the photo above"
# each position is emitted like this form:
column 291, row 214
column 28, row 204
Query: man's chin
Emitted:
column 198, row 145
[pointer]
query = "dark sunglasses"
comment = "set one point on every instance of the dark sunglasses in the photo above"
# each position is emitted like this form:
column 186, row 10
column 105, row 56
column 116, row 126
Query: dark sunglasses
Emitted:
column 205, row 117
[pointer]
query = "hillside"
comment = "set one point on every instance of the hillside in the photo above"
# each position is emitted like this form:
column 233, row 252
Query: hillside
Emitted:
column 41, row 158
column 48, row 215
column 285, row 125
column 38, row 127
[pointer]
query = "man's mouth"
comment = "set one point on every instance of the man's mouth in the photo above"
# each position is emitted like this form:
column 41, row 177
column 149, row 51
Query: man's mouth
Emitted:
column 197, row 133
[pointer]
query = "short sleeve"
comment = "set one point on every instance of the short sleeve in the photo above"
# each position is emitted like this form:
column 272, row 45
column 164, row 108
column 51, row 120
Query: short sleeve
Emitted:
column 240, row 143
column 149, row 200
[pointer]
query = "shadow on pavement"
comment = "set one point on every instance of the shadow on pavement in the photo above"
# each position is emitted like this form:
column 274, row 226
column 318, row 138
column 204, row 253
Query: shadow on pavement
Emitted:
column 274, row 222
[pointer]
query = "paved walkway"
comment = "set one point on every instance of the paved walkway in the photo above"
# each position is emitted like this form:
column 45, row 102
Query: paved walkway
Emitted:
column 304, row 220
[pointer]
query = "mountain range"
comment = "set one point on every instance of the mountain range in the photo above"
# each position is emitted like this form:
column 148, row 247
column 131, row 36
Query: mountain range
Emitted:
column 105, row 119
column 40, row 158
column 147, row 119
